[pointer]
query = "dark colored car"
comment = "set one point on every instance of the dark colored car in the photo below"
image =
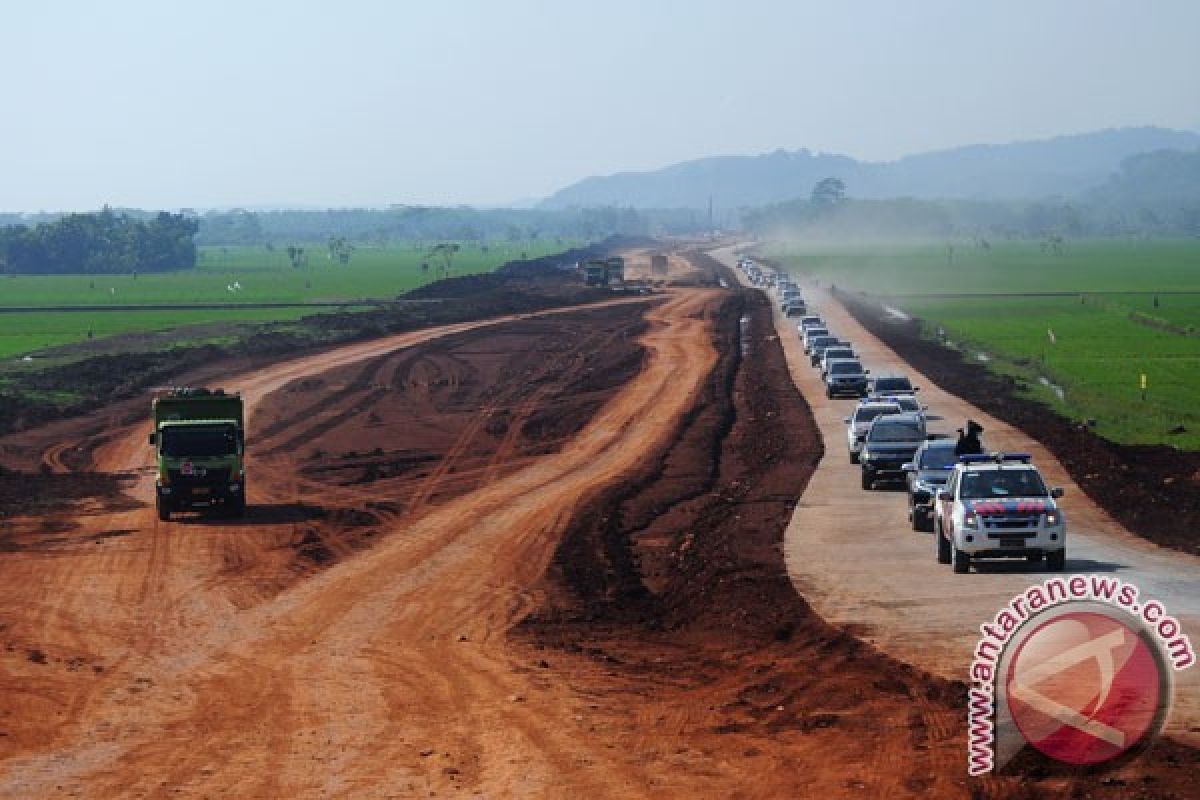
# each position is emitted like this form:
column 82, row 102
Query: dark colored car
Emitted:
column 892, row 384
column 817, row 345
column 891, row 442
column 845, row 376
column 926, row 475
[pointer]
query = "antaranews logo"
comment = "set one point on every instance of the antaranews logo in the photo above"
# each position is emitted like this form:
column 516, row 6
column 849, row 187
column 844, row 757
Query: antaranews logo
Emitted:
column 1080, row 668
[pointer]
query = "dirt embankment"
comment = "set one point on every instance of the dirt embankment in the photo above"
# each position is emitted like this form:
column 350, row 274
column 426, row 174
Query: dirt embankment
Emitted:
column 1152, row 490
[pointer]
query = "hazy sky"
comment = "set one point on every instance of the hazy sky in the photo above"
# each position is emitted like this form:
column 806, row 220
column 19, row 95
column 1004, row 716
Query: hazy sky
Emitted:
column 358, row 102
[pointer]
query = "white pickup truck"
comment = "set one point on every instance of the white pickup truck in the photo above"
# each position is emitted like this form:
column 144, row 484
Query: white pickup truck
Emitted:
column 998, row 506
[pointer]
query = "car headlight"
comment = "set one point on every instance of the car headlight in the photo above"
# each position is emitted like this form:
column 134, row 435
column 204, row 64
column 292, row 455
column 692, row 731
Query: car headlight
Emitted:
column 1053, row 518
column 970, row 520
column 866, row 455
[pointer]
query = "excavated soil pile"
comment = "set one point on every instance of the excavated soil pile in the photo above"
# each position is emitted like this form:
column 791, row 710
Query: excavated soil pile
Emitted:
column 414, row 428
column 1153, row 491
column 670, row 598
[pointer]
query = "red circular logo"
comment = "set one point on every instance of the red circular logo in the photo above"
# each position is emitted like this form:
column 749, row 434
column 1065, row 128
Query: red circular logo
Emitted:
column 1084, row 688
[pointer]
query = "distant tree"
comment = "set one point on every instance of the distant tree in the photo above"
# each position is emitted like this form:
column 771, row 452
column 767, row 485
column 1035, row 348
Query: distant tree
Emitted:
column 445, row 252
column 829, row 192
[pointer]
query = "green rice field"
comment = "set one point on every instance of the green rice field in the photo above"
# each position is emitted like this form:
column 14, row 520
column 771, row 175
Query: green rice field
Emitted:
column 227, row 275
column 1084, row 351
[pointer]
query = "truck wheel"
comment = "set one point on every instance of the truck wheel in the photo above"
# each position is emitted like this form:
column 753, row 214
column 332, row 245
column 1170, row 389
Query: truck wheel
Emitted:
column 867, row 482
column 1057, row 560
column 237, row 508
column 960, row 562
column 943, row 546
column 853, row 457
column 829, row 393
column 915, row 517
column 164, row 511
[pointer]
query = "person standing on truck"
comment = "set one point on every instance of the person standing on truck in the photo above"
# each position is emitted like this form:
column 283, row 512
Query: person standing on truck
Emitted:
column 969, row 443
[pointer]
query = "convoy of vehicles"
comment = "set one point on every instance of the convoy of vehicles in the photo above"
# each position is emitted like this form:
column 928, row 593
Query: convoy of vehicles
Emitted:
column 977, row 506
column 199, row 439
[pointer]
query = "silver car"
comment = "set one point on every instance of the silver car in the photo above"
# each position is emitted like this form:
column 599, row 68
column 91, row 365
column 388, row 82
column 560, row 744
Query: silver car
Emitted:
column 858, row 423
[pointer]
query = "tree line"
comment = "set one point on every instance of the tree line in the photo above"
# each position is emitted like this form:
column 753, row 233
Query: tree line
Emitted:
column 97, row 243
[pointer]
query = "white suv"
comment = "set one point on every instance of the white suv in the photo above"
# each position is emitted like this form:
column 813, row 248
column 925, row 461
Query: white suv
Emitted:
column 997, row 506
column 859, row 423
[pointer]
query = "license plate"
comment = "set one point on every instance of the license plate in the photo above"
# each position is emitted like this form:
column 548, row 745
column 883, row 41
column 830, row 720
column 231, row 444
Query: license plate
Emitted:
column 202, row 490
column 1012, row 542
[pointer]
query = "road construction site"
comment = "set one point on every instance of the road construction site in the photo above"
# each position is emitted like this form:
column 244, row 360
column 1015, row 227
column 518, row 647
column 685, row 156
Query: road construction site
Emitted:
column 602, row 551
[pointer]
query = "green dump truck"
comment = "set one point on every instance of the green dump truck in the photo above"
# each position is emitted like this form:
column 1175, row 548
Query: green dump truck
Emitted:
column 200, row 440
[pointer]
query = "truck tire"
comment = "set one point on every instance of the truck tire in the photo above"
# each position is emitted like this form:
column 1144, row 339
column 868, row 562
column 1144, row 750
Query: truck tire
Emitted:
column 943, row 546
column 868, row 483
column 853, row 457
column 164, row 511
column 917, row 517
column 960, row 562
column 1056, row 561
column 237, row 507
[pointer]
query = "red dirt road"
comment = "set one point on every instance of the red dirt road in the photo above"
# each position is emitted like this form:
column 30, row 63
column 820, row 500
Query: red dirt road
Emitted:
column 383, row 673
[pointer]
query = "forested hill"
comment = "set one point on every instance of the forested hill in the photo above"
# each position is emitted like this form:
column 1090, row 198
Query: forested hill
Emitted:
column 1065, row 166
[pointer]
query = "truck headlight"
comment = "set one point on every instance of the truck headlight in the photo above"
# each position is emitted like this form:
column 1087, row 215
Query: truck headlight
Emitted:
column 970, row 520
column 1053, row 518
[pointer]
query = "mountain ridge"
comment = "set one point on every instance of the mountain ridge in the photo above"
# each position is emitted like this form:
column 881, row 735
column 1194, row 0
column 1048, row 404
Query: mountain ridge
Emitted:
column 1067, row 165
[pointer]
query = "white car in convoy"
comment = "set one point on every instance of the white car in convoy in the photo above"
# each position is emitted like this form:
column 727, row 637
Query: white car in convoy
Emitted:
column 998, row 506
column 858, row 423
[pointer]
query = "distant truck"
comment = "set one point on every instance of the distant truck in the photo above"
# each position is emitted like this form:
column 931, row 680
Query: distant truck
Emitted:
column 199, row 439
column 604, row 271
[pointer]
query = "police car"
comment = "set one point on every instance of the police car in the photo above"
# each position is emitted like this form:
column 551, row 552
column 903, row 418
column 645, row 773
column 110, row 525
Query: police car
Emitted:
column 998, row 506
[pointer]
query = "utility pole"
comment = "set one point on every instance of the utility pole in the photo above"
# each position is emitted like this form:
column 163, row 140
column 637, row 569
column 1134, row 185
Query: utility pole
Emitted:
column 710, row 214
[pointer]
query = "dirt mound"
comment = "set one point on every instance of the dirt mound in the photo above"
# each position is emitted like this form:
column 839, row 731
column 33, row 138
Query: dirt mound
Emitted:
column 1153, row 491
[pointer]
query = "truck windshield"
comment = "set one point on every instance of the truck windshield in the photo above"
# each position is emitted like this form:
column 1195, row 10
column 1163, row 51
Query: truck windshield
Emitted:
column 893, row 385
column 1003, row 483
column 199, row 442
column 895, row 432
column 845, row 367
